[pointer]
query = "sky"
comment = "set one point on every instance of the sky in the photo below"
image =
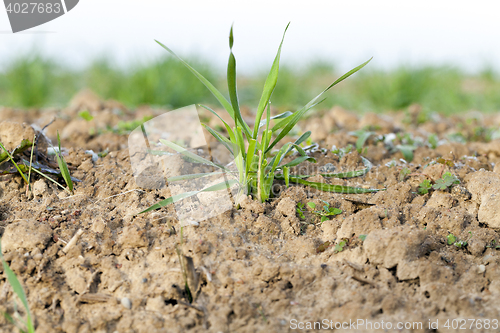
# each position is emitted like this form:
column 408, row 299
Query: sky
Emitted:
column 459, row 33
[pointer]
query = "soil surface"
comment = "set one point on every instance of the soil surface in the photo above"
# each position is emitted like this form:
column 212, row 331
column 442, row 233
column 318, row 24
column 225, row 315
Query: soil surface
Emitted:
column 264, row 267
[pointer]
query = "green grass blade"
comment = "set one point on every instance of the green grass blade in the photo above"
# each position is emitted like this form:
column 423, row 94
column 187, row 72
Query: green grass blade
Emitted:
column 340, row 79
column 48, row 178
column 289, row 123
column 286, row 175
column 362, row 137
column 169, row 201
column 350, row 174
column 13, row 162
column 191, row 156
column 285, row 121
column 222, row 100
column 250, row 154
column 239, row 141
column 407, row 151
column 228, row 128
column 298, row 160
column 269, row 86
column 25, row 144
column 297, row 142
column 18, row 290
column 333, row 188
column 231, row 85
column 193, row 176
column 221, row 138
column 178, row 197
column 63, row 166
column 279, row 116
column 276, row 160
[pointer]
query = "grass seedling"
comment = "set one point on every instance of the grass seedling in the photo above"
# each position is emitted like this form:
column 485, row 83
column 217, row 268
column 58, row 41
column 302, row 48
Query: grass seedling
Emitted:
column 407, row 151
column 403, row 173
column 19, row 291
column 433, row 141
column 63, row 167
column 325, row 212
column 362, row 136
column 258, row 163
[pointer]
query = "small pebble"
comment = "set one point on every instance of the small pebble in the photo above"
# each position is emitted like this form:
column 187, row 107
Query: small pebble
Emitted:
column 126, row 303
column 144, row 280
column 481, row 269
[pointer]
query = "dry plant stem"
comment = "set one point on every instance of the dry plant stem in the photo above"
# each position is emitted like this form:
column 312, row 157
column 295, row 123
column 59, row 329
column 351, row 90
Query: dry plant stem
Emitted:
column 73, row 241
column 31, row 162
column 119, row 194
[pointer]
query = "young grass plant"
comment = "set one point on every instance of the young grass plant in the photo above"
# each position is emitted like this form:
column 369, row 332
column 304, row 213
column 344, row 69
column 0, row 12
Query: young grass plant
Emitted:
column 27, row 326
column 258, row 163
column 63, row 167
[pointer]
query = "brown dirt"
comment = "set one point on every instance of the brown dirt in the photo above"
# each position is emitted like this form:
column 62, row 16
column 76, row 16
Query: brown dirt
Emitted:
column 260, row 267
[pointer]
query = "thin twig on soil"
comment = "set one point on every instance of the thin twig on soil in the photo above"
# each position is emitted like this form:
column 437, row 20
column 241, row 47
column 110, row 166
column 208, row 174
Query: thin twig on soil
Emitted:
column 73, row 241
column 119, row 194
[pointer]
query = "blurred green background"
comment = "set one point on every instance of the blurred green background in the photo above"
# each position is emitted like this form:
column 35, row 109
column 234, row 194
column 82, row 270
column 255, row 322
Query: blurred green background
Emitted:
column 34, row 81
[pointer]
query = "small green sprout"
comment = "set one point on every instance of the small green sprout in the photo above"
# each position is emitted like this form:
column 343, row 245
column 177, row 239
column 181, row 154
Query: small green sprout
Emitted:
column 407, row 151
column 341, row 152
column 424, row 187
column 362, row 237
column 362, row 136
column 19, row 291
column 63, row 166
column 433, row 141
column 403, row 173
column 446, row 181
column 457, row 137
column 86, row 115
column 445, row 162
column 493, row 245
column 300, row 210
column 325, row 212
column 322, row 247
column 340, row 246
column 451, row 239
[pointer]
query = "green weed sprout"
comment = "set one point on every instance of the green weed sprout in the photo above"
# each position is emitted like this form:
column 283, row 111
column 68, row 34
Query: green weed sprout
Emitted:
column 446, row 181
column 300, row 210
column 19, row 291
column 424, row 187
column 257, row 163
column 325, row 212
